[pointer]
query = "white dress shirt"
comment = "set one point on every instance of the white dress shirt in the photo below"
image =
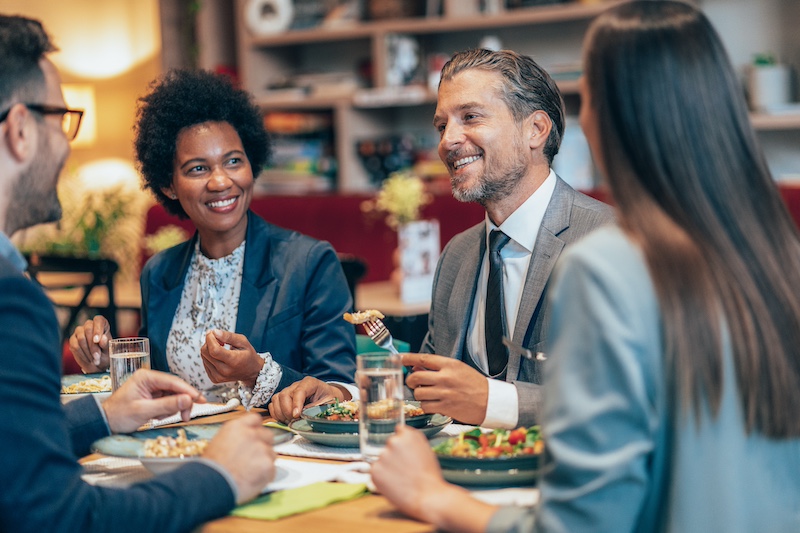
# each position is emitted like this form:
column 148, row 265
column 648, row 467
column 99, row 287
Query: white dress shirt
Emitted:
column 522, row 227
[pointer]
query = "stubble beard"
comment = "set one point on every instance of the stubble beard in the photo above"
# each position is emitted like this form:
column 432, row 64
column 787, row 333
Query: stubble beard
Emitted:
column 35, row 196
column 493, row 185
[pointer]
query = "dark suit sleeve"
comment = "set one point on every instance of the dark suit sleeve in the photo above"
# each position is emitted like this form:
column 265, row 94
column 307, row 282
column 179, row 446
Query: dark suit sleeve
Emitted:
column 42, row 489
column 85, row 424
column 327, row 342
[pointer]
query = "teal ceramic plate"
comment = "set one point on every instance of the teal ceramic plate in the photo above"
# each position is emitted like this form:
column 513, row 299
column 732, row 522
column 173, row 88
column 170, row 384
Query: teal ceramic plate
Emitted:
column 503, row 464
column 72, row 379
column 516, row 471
column 491, row 478
column 350, row 440
column 131, row 446
column 348, row 426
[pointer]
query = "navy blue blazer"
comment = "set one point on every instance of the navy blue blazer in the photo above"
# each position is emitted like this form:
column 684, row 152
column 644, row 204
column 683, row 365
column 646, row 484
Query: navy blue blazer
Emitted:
column 40, row 441
column 292, row 299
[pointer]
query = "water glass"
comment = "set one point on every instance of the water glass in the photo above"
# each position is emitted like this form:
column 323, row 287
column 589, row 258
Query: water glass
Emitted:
column 127, row 355
column 380, row 380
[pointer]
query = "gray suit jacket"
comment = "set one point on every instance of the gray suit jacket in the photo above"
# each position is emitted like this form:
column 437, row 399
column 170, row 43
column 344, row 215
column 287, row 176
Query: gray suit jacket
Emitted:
column 569, row 216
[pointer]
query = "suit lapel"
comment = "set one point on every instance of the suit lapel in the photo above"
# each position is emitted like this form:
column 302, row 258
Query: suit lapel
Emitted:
column 164, row 300
column 467, row 276
column 546, row 251
column 257, row 295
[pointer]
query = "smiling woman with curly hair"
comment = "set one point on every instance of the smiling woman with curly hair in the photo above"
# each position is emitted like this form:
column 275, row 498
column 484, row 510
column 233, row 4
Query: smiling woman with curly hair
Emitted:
column 244, row 308
column 182, row 99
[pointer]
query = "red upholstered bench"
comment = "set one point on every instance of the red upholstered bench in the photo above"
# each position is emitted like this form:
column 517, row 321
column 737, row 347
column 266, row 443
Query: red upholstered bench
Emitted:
column 339, row 220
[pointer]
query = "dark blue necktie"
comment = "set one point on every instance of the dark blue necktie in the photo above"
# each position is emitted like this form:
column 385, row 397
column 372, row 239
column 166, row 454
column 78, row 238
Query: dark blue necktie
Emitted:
column 494, row 320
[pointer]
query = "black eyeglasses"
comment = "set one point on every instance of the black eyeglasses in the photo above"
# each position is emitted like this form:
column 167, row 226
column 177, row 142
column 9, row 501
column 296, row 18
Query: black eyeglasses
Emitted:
column 70, row 118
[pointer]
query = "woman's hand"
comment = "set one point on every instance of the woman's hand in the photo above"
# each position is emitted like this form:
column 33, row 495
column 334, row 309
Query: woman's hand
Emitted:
column 408, row 474
column 89, row 345
column 287, row 405
column 229, row 356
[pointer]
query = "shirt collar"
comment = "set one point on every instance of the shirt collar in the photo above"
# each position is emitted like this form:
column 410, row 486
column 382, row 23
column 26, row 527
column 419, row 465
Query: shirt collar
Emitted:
column 10, row 252
column 520, row 224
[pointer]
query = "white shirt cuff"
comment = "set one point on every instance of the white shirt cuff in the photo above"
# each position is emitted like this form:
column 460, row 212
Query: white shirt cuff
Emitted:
column 502, row 409
column 351, row 388
column 99, row 403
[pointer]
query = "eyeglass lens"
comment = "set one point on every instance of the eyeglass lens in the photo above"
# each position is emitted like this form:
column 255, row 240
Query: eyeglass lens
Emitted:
column 70, row 123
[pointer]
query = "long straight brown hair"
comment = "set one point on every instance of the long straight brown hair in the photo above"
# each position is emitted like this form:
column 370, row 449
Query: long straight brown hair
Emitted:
column 694, row 191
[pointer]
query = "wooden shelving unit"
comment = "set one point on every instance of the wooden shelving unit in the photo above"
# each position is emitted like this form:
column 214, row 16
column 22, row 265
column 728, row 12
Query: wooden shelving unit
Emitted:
column 265, row 60
column 552, row 34
column 546, row 14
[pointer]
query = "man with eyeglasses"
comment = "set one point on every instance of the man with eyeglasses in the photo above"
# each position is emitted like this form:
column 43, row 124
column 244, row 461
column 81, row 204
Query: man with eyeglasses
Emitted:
column 42, row 489
column 70, row 118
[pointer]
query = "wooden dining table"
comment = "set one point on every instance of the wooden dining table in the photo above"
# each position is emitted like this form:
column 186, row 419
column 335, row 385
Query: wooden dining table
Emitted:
column 366, row 514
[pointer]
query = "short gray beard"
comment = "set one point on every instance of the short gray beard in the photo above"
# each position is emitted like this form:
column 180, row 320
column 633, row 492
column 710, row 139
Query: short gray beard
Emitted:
column 491, row 188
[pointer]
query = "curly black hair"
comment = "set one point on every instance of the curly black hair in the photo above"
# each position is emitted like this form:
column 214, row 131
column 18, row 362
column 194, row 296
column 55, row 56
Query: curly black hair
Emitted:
column 184, row 98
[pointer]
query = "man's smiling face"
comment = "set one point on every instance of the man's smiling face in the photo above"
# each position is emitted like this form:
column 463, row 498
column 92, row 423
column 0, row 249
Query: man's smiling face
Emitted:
column 483, row 147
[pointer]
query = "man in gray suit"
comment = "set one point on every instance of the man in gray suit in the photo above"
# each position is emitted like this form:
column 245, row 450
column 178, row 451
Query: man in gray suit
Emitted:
column 500, row 118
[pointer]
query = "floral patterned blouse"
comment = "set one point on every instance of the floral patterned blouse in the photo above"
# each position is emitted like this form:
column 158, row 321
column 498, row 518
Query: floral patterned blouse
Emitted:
column 210, row 300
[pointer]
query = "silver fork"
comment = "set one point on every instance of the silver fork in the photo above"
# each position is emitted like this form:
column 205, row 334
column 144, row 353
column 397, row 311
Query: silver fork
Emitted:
column 380, row 335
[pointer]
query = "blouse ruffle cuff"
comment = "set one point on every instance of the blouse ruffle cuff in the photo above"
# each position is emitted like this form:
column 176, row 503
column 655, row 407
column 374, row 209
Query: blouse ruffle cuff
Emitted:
column 268, row 379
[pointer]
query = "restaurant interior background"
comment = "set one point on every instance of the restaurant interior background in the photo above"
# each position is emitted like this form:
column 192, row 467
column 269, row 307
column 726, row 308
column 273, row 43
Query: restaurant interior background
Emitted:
column 348, row 91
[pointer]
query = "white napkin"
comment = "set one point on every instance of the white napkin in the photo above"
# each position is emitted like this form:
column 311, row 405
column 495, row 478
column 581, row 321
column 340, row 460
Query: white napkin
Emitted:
column 302, row 447
column 114, row 472
column 291, row 474
column 198, row 409
column 520, row 496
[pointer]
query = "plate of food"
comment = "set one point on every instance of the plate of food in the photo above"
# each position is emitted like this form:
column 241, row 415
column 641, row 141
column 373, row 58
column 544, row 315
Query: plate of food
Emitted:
column 342, row 417
column 163, row 449
column 77, row 385
column 498, row 457
column 350, row 440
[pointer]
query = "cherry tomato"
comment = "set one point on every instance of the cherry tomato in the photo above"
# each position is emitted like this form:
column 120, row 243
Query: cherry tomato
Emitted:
column 517, row 436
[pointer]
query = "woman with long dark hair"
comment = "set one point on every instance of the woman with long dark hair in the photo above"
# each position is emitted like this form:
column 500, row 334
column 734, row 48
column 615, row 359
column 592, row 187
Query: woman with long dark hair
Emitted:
column 673, row 375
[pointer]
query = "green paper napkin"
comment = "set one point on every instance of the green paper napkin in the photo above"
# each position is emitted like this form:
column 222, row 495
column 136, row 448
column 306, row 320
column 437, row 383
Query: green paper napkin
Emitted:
column 299, row 500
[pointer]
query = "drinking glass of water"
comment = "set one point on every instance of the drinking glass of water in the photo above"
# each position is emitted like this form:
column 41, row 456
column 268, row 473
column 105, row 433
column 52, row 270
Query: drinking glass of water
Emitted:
column 380, row 379
column 127, row 355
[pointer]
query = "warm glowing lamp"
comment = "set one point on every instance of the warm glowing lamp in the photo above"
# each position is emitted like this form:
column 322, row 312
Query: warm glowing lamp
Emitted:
column 97, row 39
column 81, row 96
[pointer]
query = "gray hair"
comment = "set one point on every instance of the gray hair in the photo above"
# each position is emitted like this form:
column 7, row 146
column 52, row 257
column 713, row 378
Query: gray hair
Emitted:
column 526, row 88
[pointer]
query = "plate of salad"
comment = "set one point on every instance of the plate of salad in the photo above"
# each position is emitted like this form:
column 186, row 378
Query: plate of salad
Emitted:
column 342, row 417
column 350, row 440
column 498, row 449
